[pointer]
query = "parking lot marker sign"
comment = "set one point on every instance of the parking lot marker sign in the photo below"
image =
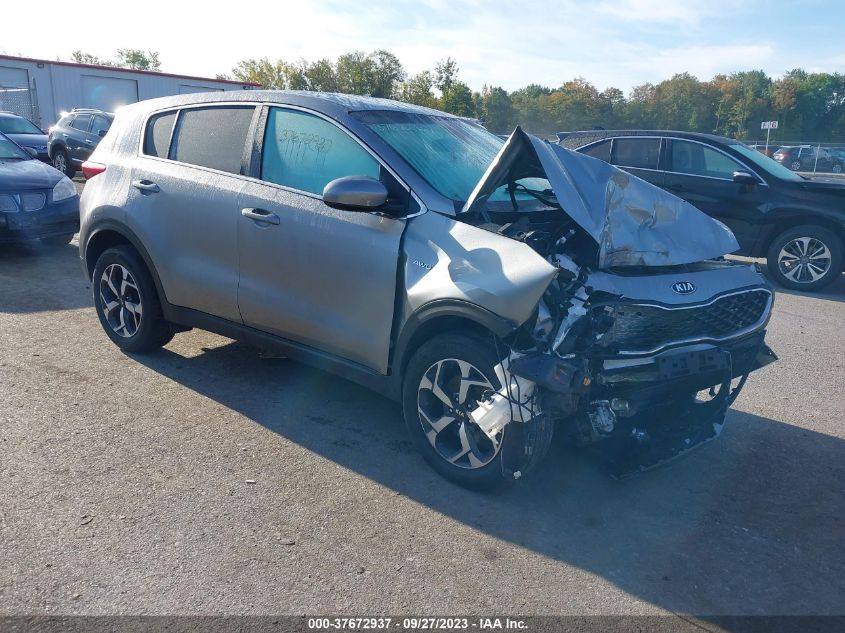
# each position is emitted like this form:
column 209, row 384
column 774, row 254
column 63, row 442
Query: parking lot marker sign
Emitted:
column 768, row 126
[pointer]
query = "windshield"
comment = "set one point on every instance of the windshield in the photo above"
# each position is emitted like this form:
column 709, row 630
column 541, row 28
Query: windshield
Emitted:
column 10, row 151
column 18, row 125
column 450, row 154
column 764, row 162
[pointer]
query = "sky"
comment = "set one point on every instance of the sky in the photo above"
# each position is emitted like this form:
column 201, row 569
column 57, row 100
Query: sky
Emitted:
column 620, row 43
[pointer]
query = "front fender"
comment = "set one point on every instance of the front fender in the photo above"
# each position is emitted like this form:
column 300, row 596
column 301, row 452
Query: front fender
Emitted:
column 448, row 260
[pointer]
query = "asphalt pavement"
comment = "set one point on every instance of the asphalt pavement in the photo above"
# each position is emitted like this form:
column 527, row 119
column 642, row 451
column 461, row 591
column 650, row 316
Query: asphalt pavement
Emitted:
column 205, row 479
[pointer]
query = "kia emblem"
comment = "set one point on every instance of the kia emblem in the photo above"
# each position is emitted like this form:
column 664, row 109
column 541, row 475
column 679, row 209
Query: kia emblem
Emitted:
column 683, row 287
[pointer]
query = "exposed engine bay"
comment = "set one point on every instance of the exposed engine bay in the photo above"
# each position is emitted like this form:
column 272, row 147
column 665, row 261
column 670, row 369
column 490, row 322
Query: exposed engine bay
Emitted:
column 636, row 352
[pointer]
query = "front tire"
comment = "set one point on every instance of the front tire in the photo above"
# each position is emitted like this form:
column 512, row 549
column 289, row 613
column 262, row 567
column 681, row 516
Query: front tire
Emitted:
column 805, row 258
column 61, row 161
column 127, row 303
column 443, row 382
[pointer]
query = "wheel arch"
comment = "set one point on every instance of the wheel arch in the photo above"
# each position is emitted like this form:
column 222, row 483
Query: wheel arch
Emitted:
column 51, row 149
column 797, row 219
column 439, row 317
column 108, row 235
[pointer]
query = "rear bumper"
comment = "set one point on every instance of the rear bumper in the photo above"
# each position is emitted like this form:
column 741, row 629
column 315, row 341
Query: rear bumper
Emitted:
column 60, row 218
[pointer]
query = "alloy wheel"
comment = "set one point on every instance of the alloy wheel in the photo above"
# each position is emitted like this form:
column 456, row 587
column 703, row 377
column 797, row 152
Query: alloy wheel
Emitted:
column 795, row 165
column 120, row 300
column 59, row 162
column 448, row 392
column 804, row 260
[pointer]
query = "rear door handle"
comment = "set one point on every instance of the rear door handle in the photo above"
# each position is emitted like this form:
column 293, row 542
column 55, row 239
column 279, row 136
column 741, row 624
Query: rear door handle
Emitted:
column 146, row 185
column 261, row 215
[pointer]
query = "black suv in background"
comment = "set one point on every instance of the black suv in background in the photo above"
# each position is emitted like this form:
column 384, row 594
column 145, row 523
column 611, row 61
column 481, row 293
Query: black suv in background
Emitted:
column 75, row 136
column 796, row 223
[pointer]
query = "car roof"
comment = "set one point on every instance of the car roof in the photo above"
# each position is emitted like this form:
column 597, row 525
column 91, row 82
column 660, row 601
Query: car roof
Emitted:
column 88, row 111
column 11, row 115
column 598, row 135
column 332, row 104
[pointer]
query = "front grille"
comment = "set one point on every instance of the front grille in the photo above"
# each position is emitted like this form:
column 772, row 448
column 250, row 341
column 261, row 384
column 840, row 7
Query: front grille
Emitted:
column 27, row 201
column 639, row 328
column 33, row 201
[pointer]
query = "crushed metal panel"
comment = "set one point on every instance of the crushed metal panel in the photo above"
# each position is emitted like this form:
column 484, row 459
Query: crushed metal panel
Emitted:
column 445, row 259
column 634, row 222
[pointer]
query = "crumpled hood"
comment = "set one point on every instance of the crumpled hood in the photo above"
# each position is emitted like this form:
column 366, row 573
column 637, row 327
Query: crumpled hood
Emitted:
column 20, row 175
column 633, row 222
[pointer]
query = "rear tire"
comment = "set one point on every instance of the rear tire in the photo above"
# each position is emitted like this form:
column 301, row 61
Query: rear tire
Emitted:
column 439, row 371
column 805, row 257
column 127, row 303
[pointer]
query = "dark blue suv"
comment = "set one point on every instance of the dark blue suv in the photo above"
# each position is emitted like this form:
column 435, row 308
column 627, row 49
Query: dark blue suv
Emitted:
column 75, row 136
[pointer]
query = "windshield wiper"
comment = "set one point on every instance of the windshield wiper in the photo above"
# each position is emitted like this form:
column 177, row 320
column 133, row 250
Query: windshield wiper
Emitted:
column 539, row 195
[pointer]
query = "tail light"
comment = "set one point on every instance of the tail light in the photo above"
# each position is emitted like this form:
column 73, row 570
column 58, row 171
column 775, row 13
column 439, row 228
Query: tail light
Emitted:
column 89, row 169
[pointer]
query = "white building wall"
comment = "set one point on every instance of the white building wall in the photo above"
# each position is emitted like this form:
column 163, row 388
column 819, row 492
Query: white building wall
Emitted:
column 62, row 87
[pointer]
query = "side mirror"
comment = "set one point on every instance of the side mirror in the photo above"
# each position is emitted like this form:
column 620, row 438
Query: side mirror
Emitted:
column 102, row 133
column 355, row 193
column 31, row 151
column 744, row 178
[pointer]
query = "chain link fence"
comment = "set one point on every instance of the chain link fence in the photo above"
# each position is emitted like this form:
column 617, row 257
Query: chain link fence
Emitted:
column 807, row 157
column 20, row 99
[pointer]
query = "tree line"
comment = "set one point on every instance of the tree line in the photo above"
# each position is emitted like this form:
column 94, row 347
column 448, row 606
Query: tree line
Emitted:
column 808, row 106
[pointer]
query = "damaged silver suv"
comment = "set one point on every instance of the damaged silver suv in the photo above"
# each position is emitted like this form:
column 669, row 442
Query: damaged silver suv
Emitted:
column 501, row 290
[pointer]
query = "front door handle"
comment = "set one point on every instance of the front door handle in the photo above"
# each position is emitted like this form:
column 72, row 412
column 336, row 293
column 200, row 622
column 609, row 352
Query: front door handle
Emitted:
column 146, row 185
column 261, row 215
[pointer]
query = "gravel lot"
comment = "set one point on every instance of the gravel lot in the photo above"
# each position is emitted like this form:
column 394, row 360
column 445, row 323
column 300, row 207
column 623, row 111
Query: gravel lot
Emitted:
column 124, row 486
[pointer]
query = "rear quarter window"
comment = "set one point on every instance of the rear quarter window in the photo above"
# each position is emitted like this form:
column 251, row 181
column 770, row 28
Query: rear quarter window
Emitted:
column 212, row 137
column 599, row 150
column 157, row 134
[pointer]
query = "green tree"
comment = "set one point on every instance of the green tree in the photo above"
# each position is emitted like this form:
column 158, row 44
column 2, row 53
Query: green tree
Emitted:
column 445, row 74
column 322, row 76
column 137, row 59
column 457, row 99
column 386, row 73
column 418, row 90
column 81, row 57
column 270, row 75
column 496, row 109
column 355, row 73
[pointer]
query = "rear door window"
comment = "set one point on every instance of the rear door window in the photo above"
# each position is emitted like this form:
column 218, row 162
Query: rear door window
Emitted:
column 305, row 152
column 157, row 134
column 640, row 153
column 81, row 122
column 212, row 137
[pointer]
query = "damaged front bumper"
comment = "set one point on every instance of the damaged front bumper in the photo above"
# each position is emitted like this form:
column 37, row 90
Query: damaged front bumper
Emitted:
column 638, row 413
column 663, row 406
